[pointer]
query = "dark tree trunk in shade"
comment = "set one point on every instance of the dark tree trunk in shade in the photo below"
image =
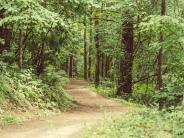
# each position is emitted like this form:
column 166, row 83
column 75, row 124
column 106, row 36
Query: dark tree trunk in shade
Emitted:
column 20, row 49
column 183, row 103
column 40, row 61
column 75, row 69
column 71, row 67
column 85, row 50
column 5, row 34
column 102, row 65
column 66, row 66
column 89, row 66
column 90, row 46
column 160, row 55
column 107, row 66
column 97, row 55
column 126, row 63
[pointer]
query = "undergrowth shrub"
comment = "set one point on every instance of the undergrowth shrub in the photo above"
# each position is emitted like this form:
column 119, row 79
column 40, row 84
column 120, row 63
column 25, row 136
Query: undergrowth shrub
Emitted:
column 56, row 93
column 170, row 95
column 147, row 123
column 21, row 87
column 106, row 88
column 8, row 118
column 143, row 94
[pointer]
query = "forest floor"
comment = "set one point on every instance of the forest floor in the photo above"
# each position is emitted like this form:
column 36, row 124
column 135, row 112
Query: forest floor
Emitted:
column 90, row 108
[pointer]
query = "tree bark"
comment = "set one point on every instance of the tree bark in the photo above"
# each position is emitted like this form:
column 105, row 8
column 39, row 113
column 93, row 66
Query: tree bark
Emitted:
column 71, row 67
column 5, row 34
column 40, row 63
column 160, row 55
column 21, row 47
column 66, row 66
column 126, row 63
column 182, row 106
column 85, row 50
column 90, row 46
column 75, row 69
column 97, row 56
column 107, row 66
column 102, row 65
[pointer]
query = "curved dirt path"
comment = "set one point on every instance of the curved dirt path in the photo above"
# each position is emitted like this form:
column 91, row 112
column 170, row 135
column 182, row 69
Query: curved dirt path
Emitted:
column 89, row 110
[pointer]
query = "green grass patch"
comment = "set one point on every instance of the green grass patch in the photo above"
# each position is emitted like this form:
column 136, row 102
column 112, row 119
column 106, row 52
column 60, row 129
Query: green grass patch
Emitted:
column 147, row 123
column 8, row 119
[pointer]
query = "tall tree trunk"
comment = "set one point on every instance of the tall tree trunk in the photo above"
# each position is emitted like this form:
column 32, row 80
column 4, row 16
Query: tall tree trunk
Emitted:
column 21, row 47
column 107, row 66
column 102, row 65
column 5, row 34
column 97, row 45
column 71, row 67
column 183, row 103
column 66, row 66
column 126, row 63
column 160, row 55
column 90, row 46
column 75, row 69
column 85, row 50
column 40, row 63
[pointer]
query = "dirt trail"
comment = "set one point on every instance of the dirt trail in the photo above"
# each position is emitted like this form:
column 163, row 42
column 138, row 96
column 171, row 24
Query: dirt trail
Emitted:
column 89, row 111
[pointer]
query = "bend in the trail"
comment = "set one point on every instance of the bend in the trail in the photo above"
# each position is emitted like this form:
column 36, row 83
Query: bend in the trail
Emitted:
column 89, row 110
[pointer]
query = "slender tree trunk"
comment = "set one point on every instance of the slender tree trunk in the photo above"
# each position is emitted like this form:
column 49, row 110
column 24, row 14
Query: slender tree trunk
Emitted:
column 90, row 46
column 75, row 69
column 71, row 67
column 160, row 55
column 102, row 65
column 85, row 50
column 183, row 103
column 126, row 63
column 97, row 45
column 5, row 34
column 107, row 66
column 40, row 63
column 21, row 46
column 66, row 66
column 32, row 61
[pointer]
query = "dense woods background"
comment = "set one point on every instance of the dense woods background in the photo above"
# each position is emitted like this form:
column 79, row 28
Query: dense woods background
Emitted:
column 133, row 49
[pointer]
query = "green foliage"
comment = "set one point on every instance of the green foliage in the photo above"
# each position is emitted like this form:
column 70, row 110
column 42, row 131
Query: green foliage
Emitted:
column 8, row 118
column 22, row 86
column 143, row 124
column 143, row 94
column 29, row 12
column 106, row 88
column 56, row 93
column 172, row 93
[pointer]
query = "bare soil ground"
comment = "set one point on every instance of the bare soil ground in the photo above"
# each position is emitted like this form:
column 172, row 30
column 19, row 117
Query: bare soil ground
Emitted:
column 89, row 110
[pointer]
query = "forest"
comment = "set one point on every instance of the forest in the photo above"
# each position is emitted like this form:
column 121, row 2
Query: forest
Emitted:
column 95, row 68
